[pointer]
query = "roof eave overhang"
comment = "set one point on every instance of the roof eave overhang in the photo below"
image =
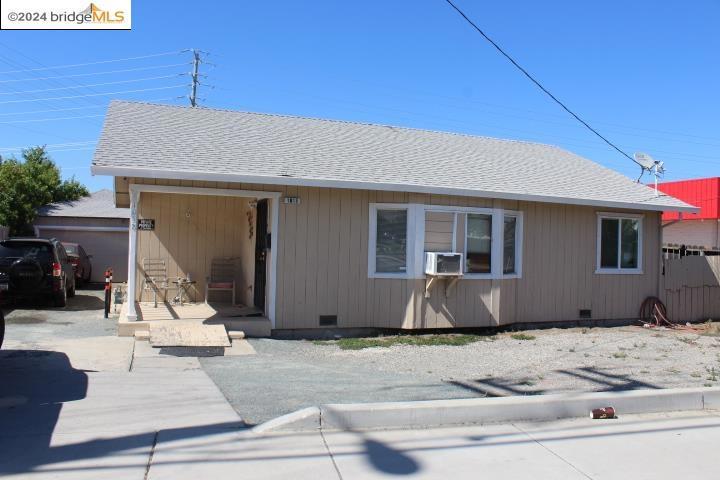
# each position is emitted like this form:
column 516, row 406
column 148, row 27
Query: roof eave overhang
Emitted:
column 394, row 187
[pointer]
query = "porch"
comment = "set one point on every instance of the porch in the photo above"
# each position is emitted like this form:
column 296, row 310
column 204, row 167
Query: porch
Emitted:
column 248, row 320
column 201, row 256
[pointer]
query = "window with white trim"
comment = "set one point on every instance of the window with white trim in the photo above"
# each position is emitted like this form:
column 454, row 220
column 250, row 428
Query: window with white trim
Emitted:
column 493, row 243
column 390, row 243
column 619, row 243
column 510, row 244
column 478, row 243
column 400, row 234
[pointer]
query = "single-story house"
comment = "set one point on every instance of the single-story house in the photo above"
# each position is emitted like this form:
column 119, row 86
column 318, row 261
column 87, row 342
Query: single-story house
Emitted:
column 95, row 223
column 332, row 221
column 698, row 232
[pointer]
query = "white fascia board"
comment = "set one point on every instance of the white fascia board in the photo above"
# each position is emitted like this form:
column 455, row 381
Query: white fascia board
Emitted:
column 393, row 187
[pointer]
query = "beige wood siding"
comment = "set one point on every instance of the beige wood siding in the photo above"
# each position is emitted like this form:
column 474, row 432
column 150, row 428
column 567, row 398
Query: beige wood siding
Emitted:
column 322, row 265
column 215, row 227
column 439, row 231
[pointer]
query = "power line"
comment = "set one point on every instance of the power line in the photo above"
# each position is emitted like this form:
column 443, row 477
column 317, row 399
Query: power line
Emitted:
column 69, row 144
column 93, row 63
column 537, row 83
column 93, row 94
column 160, row 77
column 31, row 112
column 107, row 72
column 12, row 122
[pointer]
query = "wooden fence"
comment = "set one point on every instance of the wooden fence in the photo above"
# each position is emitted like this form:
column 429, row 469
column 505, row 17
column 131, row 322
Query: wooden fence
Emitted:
column 690, row 288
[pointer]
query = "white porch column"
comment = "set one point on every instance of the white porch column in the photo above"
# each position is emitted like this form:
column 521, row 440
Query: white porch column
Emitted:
column 132, row 253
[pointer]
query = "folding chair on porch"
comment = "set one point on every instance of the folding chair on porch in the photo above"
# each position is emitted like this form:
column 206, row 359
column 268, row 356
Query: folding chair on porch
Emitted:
column 222, row 277
column 155, row 270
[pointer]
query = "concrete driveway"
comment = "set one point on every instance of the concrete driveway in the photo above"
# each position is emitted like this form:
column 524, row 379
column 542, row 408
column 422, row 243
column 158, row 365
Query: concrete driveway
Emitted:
column 71, row 407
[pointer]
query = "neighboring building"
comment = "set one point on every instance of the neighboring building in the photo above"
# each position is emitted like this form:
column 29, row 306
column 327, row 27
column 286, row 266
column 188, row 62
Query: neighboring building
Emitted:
column 95, row 223
column 351, row 208
column 698, row 232
column 4, row 232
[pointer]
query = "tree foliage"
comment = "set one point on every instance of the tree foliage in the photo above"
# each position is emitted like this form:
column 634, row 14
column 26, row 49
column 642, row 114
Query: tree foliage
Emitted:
column 30, row 183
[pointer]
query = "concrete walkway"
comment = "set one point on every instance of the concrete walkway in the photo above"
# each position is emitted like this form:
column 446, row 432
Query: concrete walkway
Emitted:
column 670, row 446
column 74, row 409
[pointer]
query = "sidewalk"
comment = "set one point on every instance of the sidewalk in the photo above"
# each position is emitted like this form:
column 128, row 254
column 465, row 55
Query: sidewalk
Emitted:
column 72, row 410
column 677, row 445
column 109, row 408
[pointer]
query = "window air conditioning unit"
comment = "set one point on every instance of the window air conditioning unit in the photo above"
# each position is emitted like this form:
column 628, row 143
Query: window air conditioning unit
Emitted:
column 443, row 264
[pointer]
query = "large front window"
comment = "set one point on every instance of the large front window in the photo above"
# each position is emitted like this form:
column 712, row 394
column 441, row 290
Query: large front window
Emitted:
column 391, row 241
column 619, row 244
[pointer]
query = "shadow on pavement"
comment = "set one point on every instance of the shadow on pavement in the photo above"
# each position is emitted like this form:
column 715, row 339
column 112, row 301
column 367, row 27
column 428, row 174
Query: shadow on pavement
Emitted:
column 34, row 384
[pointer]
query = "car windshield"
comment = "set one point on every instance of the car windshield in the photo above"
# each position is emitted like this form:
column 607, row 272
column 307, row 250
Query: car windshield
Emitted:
column 71, row 249
column 41, row 252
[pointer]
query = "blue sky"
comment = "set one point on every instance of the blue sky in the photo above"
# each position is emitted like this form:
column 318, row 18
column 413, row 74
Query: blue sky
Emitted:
column 644, row 73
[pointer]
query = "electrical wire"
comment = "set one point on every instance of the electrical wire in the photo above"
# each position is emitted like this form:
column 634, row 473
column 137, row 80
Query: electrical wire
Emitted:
column 160, row 77
column 69, row 144
column 107, row 72
column 31, row 112
column 93, row 94
column 538, row 84
column 154, row 55
column 13, row 122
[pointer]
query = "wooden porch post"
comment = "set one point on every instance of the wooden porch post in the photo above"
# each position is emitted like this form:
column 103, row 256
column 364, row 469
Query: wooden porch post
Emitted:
column 132, row 253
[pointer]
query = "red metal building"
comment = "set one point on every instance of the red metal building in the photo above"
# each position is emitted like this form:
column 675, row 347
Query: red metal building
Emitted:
column 702, row 229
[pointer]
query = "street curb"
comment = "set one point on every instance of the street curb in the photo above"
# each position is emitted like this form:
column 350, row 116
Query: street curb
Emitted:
column 436, row 413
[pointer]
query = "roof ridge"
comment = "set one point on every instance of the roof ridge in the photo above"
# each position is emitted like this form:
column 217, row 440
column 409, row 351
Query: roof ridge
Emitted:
column 333, row 120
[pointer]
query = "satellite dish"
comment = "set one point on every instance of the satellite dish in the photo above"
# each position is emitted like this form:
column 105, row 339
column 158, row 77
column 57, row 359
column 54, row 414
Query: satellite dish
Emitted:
column 644, row 160
column 647, row 163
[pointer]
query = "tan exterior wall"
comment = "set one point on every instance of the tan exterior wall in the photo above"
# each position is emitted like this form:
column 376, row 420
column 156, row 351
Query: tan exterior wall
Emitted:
column 215, row 227
column 693, row 233
column 322, row 266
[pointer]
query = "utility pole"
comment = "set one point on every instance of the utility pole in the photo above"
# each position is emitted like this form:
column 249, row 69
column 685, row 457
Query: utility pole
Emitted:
column 196, row 67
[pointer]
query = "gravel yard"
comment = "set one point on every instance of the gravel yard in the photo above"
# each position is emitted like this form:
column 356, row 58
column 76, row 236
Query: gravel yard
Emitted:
column 286, row 375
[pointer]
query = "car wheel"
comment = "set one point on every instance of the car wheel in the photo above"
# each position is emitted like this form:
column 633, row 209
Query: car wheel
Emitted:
column 71, row 292
column 61, row 298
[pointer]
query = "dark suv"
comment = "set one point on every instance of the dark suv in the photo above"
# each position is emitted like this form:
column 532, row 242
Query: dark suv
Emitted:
column 36, row 268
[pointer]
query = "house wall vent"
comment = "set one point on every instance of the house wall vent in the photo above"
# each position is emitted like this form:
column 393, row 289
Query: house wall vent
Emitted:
column 585, row 313
column 328, row 320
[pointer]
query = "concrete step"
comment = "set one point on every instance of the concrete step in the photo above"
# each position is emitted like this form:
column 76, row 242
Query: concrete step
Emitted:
column 143, row 335
column 173, row 333
column 236, row 334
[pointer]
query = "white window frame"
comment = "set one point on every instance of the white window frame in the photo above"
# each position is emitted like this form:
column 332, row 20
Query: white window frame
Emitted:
column 415, row 249
column 411, row 235
column 518, row 243
column 619, row 270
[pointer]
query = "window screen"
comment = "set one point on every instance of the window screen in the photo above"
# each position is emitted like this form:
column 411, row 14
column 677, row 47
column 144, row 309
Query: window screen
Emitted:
column 479, row 243
column 391, row 241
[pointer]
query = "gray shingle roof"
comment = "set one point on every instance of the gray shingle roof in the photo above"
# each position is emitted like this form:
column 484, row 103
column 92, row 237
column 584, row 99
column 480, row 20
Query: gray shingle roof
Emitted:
column 100, row 204
column 164, row 141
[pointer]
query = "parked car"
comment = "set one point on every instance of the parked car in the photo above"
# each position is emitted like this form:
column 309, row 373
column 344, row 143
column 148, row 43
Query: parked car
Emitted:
column 37, row 268
column 80, row 262
column 3, row 293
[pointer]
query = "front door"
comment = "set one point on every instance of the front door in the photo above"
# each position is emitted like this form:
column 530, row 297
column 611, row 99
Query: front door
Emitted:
column 262, row 245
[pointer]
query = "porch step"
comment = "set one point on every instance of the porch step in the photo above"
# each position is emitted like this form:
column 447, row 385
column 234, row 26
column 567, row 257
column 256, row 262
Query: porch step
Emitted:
column 143, row 335
column 236, row 334
column 173, row 333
